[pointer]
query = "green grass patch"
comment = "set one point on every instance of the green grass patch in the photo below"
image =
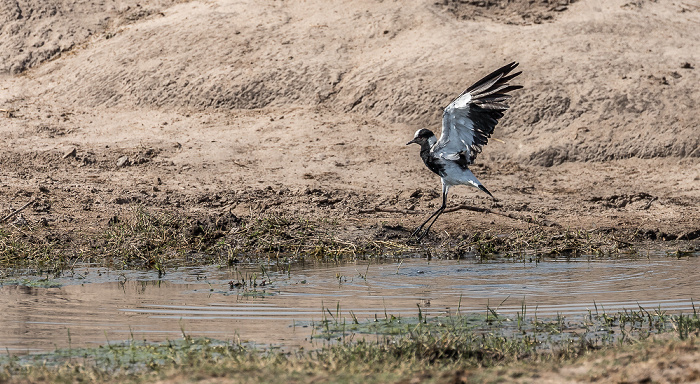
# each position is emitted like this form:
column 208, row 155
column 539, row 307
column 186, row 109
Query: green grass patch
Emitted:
column 19, row 249
column 380, row 350
column 160, row 240
column 525, row 331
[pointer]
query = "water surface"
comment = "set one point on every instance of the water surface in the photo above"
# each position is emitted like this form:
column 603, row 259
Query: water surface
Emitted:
column 97, row 306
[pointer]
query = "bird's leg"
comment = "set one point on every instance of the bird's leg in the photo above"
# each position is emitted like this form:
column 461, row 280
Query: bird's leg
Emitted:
column 426, row 222
column 434, row 216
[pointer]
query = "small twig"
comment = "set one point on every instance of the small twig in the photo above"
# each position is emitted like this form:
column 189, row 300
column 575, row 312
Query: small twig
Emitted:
column 387, row 210
column 622, row 242
column 16, row 211
column 649, row 203
column 9, row 113
column 469, row 208
column 487, row 210
column 453, row 209
column 19, row 230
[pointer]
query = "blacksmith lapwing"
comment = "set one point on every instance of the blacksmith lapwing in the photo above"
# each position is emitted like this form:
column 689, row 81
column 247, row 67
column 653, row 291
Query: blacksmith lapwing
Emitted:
column 467, row 123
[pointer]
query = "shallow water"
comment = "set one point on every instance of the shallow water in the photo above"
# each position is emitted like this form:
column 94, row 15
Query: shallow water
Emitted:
column 97, row 306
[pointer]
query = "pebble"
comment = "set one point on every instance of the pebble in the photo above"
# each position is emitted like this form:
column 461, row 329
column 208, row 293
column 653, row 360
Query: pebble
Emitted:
column 20, row 221
column 71, row 152
column 123, row 161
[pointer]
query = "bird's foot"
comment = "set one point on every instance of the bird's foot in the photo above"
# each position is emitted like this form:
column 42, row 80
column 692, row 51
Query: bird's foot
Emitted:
column 419, row 234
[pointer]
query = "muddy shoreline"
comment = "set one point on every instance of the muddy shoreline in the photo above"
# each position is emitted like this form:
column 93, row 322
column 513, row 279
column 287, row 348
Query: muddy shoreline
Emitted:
column 73, row 199
column 57, row 226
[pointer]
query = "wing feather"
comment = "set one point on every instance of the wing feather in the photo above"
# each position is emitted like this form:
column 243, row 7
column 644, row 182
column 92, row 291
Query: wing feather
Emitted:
column 508, row 78
column 493, row 105
column 485, row 86
column 469, row 120
column 504, row 70
column 493, row 90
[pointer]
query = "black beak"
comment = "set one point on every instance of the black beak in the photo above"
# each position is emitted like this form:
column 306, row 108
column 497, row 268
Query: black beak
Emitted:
column 411, row 142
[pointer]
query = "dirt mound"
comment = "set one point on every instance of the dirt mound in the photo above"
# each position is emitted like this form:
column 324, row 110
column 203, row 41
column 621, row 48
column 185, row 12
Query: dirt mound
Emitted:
column 507, row 11
column 36, row 31
column 597, row 86
column 159, row 102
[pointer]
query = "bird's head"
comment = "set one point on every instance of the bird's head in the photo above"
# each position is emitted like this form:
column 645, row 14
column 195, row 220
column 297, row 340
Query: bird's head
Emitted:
column 423, row 137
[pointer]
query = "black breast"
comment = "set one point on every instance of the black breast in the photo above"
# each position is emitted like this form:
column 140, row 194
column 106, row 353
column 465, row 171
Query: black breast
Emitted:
column 432, row 163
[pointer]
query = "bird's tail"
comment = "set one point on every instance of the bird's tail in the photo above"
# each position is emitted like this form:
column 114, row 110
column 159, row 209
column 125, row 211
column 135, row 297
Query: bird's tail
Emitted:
column 481, row 186
column 468, row 178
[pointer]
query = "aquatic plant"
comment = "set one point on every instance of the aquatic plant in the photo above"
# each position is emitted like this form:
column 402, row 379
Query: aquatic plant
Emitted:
column 391, row 348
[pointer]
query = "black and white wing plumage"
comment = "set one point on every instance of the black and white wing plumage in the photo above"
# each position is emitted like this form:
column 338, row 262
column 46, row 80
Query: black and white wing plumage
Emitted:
column 469, row 120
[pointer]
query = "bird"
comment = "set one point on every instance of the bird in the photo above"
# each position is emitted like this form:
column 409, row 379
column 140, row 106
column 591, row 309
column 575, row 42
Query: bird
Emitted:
column 467, row 123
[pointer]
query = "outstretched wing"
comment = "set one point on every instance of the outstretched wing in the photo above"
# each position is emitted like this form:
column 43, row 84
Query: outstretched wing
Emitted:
column 469, row 120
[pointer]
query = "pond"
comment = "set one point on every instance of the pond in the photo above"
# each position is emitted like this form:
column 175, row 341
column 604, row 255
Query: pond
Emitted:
column 94, row 306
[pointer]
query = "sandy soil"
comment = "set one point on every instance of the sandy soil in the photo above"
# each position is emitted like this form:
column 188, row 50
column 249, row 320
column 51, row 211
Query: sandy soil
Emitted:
column 303, row 108
column 658, row 360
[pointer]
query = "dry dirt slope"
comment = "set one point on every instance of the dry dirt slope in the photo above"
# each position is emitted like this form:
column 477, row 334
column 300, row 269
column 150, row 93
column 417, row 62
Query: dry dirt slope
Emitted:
column 603, row 80
column 36, row 31
column 235, row 94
